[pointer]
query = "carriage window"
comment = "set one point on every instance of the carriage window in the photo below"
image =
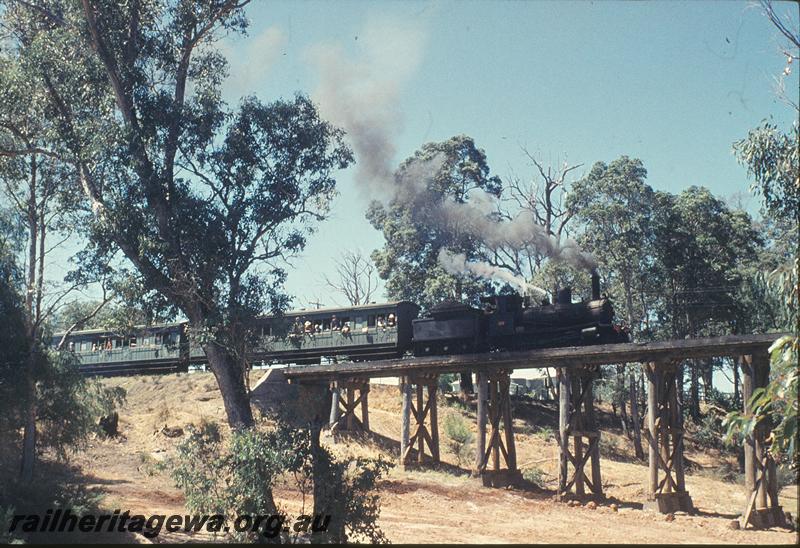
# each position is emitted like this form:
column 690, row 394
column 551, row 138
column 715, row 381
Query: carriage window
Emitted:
column 371, row 320
column 85, row 346
column 133, row 342
column 326, row 324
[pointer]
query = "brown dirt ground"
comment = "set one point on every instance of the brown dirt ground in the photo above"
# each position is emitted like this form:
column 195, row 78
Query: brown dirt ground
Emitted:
column 443, row 505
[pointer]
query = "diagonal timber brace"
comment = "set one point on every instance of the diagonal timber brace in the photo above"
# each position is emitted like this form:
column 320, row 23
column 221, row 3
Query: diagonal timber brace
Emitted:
column 422, row 388
column 762, row 510
column 577, row 421
column 494, row 406
column 665, row 439
column 347, row 396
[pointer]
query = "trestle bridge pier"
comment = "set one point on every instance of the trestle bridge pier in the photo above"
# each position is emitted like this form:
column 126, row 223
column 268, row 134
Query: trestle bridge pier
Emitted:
column 578, row 433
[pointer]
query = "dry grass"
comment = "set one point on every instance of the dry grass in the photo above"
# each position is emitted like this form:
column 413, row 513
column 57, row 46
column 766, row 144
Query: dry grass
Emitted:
column 441, row 505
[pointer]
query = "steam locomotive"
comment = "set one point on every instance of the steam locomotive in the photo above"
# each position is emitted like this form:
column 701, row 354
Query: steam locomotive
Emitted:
column 363, row 333
column 509, row 322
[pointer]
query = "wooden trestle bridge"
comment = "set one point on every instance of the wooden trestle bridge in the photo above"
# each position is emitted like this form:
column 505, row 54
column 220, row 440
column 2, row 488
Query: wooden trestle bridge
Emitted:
column 578, row 368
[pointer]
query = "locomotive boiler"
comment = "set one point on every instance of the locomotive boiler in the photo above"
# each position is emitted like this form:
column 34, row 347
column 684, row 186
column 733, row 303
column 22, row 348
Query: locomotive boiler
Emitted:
column 510, row 322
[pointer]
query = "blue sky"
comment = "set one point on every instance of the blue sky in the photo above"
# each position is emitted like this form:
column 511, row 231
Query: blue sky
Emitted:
column 672, row 83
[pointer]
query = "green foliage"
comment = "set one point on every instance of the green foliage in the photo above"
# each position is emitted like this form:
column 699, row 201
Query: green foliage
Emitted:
column 710, row 432
column 535, row 476
column 347, row 491
column 775, row 403
column 615, row 206
column 773, row 160
column 546, row 433
column 409, row 260
column 237, row 477
column 446, row 381
column 70, row 404
column 459, row 437
column 113, row 316
column 13, row 353
column 203, row 200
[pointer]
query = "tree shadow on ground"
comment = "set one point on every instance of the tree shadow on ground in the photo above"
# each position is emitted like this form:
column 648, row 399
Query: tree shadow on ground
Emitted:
column 391, row 446
column 57, row 486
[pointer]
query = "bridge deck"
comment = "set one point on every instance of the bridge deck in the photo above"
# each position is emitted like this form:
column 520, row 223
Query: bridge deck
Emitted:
column 732, row 345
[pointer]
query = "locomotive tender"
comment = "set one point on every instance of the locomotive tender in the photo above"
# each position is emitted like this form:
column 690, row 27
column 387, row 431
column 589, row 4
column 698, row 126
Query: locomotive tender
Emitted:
column 367, row 332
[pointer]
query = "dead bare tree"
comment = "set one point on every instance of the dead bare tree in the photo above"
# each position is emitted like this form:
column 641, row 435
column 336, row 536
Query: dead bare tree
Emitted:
column 356, row 278
column 544, row 196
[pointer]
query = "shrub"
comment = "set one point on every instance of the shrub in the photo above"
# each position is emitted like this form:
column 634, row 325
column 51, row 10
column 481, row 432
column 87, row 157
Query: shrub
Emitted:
column 69, row 404
column 237, row 479
column 445, row 382
column 535, row 476
column 546, row 433
column 710, row 431
column 460, row 438
column 346, row 489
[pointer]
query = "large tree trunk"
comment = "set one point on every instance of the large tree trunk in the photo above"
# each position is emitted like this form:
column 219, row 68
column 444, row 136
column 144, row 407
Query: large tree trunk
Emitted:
column 694, row 391
column 29, row 436
column 637, row 430
column 229, row 373
column 708, row 379
column 466, row 385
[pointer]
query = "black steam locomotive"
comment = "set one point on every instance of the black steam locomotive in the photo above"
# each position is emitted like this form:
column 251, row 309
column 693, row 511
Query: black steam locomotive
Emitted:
column 363, row 333
column 509, row 322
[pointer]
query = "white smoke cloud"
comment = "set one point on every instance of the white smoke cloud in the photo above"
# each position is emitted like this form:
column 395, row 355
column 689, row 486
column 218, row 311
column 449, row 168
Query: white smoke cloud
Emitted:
column 362, row 95
column 456, row 263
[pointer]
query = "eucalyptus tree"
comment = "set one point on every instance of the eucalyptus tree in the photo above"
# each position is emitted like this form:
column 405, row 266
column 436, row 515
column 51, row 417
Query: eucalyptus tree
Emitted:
column 772, row 159
column 415, row 232
column 701, row 251
column 33, row 184
column 205, row 201
column 614, row 204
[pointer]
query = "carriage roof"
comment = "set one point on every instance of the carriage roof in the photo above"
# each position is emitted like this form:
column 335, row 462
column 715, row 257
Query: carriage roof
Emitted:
column 289, row 314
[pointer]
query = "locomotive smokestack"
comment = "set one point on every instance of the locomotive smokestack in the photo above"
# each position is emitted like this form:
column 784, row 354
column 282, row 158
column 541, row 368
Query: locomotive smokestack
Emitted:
column 564, row 296
column 595, row 286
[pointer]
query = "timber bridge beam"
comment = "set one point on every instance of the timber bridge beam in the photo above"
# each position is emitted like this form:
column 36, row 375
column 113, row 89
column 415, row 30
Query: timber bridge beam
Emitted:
column 578, row 434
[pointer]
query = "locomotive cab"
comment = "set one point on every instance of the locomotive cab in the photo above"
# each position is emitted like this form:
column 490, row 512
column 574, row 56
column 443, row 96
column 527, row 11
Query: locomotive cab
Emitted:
column 503, row 315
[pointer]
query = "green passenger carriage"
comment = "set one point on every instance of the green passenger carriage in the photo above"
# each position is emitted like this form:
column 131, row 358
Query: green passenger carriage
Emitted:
column 367, row 332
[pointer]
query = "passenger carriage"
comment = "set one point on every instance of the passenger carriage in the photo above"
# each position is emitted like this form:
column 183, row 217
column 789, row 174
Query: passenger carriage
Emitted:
column 368, row 332
column 151, row 349
column 356, row 333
